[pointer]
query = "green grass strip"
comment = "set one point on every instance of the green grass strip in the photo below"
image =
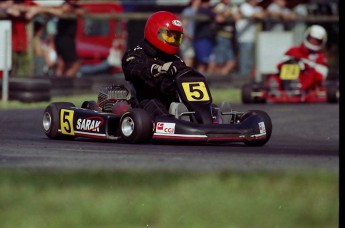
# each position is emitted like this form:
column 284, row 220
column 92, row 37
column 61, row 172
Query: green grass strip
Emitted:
column 219, row 95
column 165, row 199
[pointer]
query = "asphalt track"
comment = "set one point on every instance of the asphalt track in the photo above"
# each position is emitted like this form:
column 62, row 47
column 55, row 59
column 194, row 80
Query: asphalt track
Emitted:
column 305, row 137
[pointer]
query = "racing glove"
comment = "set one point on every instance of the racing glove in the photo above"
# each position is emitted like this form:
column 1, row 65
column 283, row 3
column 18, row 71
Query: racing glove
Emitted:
column 298, row 61
column 167, row 69
column 302, row 66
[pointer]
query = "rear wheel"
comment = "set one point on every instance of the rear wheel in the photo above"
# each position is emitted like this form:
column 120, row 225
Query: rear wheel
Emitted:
column 332, row 91
column 136, row 126
column 267, row 124
column 51, row 120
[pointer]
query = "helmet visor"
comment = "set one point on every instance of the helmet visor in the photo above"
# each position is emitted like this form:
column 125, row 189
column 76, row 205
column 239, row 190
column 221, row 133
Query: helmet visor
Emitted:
column 171, row 37
column 314, row 40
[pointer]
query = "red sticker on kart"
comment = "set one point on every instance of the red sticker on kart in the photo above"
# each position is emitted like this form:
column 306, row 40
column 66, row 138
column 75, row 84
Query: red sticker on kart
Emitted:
column 165, row 128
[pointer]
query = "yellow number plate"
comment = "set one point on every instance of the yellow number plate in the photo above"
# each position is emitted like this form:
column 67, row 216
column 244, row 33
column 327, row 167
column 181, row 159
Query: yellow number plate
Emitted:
column 66, row 122
column 195, row 91
column 289, row 72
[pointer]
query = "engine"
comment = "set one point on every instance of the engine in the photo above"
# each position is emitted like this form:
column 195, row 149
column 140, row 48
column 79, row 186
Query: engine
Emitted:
column 108, row 96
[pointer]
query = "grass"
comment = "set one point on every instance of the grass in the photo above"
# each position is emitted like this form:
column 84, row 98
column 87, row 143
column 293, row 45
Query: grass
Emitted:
column 219, row 95
column 77, row 100
column 164, row 199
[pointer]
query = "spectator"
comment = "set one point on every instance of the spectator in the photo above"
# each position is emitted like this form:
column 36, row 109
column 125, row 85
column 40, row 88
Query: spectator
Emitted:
column 113, row 60
column 38, row 48
column 203, row 37
column 20, row 12
column 300, row 27
column 246, row 34
column 310, row 57
column 17, row 11
column 50, row 56
column 5, row 6
column 187, row 48
column 280, row 14
column 223, row 57
column 68, row 62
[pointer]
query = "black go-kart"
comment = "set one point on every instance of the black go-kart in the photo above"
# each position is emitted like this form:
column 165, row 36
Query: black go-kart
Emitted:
column 194, row 119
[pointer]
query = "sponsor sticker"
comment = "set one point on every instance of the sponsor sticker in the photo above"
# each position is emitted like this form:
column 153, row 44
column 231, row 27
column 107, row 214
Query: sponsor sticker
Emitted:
column 92, row 123
column 165, row 128
column 262, row 127
column 177, row 22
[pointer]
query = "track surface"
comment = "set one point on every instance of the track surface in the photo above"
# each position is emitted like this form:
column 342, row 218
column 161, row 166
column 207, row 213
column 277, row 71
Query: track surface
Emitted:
column 305, row 137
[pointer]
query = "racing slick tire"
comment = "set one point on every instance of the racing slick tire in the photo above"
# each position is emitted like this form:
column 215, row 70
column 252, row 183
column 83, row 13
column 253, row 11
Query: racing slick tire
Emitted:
column 29, row 84
column 260, row 99
column 268, row 126
column 247, row 90
column 331, row 94
column 136, row 126
column 28, row 90
column 30, row 97
column 51, row 120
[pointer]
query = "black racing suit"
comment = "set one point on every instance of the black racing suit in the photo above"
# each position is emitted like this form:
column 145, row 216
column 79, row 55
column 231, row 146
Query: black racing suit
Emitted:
column 161, row 89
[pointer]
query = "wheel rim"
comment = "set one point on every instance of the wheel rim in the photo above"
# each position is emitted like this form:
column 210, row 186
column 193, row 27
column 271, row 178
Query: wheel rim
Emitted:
column 127, row 126
column 47, row 121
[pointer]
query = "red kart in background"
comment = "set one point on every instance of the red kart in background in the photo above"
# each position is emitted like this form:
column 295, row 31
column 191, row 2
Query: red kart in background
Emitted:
column 284, row 87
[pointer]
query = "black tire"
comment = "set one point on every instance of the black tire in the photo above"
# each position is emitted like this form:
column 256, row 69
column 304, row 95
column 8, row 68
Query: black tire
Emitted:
column 331, row 92
column 136, row 126
column 29, row 84
column 268, row 125
column 81, row 85
column 247, row 93
column 61, row 86
column 51, row 120
column 259, row 88
column 28, row 96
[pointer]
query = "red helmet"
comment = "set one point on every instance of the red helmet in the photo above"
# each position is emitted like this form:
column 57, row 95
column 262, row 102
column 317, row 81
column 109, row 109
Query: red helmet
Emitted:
column 164, row 31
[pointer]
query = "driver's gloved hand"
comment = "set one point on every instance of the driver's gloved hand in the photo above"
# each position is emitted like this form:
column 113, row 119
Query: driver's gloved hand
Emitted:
column 302, row 66
column 298, row 61
column 167, row 69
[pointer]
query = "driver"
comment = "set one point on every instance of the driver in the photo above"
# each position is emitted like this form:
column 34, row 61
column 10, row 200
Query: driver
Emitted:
column 152, row 65
column 311, row 58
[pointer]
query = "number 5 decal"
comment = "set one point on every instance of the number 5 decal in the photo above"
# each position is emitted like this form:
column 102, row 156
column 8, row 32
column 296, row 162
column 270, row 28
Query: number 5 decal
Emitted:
column 66, row 122
column 195, row 91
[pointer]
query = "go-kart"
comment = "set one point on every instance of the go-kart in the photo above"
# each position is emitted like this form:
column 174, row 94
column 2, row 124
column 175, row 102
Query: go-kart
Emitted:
column 285, row 87
column 117, row 116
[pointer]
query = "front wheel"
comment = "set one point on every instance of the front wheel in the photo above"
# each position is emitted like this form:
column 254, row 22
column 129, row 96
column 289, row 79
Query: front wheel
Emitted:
column 247, row 93
column 263, row 123
column 136, row 126
column 51, row 120
column 331, row 92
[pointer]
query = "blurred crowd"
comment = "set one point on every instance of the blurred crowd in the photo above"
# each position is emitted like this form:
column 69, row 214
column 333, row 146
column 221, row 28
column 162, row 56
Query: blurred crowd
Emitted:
column 227, row 43
column 222, row 45
column 54, row 38
column 47, row 54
